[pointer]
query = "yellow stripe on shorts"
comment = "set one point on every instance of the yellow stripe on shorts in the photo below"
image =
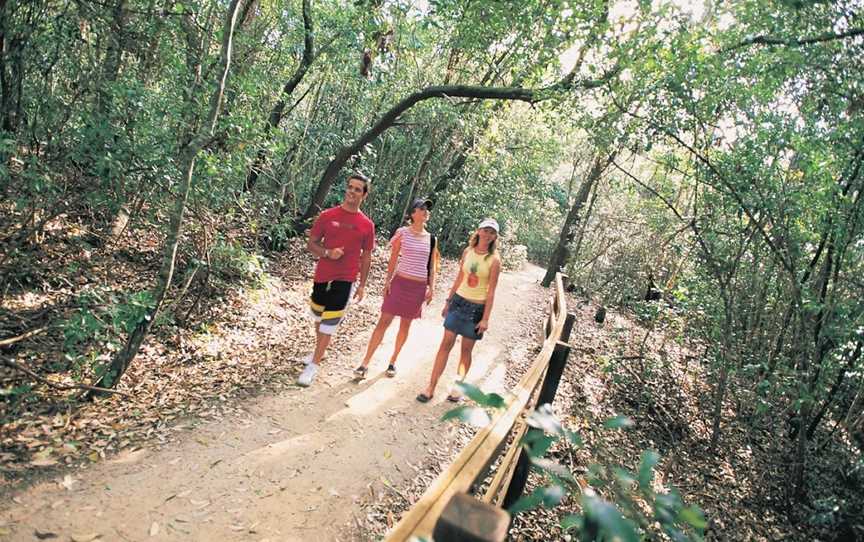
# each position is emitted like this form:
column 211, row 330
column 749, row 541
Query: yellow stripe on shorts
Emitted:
column 328, row 315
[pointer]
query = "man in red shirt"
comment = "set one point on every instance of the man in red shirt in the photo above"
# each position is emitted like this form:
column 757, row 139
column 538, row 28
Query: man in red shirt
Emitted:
column 342, row 238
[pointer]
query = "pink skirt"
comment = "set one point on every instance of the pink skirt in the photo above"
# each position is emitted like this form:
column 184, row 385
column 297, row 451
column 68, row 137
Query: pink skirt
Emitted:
column 405, row 298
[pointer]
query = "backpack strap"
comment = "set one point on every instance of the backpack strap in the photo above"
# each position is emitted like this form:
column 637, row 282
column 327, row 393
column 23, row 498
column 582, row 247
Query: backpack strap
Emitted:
column 432, row 242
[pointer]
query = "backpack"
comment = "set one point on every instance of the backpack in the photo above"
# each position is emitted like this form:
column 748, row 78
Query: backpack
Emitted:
column 432, row 242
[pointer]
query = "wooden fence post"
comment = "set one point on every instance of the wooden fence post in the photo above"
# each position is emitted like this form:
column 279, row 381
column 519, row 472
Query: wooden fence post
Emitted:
column 568, row 327
column 547, row 395
column 466, row 519
column 553, row 374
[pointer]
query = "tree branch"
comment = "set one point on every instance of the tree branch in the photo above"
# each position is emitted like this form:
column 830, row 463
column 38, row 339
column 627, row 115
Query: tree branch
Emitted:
column 64, row 387
column 768, row 40
column 12, row 340
column 529, row 95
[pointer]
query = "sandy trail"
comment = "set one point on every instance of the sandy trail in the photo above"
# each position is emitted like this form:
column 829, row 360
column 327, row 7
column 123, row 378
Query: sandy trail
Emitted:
column 292, row 466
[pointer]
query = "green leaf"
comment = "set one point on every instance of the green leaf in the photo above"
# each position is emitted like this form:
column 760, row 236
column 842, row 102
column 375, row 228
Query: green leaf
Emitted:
column 574, row 438
column 468, row 414
column 543, row 418
column 547, row 497
column 490, row 400
column 619, row 422
column 625, row 477
column 571, row 521
column 553, row 467
column 537, row 443
column 650, row 458
column 607, row 520
column 693, row 516
column 525, row 502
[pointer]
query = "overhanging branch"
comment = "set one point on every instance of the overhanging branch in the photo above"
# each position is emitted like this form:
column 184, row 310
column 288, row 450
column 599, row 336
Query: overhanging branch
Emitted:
column 791, row 42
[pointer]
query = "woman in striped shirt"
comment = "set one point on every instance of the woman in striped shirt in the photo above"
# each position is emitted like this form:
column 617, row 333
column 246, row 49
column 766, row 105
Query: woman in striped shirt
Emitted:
column 410, row 281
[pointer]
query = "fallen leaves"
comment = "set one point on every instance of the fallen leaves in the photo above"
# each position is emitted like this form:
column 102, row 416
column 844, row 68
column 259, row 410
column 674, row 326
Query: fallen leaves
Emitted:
column 43, row 462
column 67, row 482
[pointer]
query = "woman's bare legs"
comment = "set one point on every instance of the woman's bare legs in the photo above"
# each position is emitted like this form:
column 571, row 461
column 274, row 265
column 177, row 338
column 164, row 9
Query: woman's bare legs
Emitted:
column 401, row 337
column 377, row 335
column 465, row 349
column 447, row 343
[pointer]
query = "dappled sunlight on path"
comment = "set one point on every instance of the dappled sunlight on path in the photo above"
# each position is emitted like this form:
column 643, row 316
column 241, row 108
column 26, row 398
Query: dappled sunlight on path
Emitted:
column 284, row 466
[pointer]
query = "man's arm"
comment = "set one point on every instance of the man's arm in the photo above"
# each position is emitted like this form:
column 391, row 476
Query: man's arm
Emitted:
column 316, row 247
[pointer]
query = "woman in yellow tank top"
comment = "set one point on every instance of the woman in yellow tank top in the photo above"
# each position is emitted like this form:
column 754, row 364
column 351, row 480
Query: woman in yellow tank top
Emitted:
column 469, row 304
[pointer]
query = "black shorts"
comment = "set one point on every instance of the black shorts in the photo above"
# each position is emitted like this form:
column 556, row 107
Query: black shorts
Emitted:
column 328, row 302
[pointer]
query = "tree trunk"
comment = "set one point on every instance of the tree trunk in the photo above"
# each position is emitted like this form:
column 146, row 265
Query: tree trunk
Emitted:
column 571, row 222
column 853, row 357
column 278, row 111
column 188, row 153
column 723, row 384
column 13, row 40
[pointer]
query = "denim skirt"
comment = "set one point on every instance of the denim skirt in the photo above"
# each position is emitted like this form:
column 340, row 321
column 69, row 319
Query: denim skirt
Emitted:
column 463, row 316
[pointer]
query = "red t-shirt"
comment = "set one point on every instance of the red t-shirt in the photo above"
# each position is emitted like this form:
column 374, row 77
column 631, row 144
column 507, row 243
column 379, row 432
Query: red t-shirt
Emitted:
column 350, row 231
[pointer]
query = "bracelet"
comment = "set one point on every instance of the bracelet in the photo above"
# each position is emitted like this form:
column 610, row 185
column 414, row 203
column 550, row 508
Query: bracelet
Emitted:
column 326, row 253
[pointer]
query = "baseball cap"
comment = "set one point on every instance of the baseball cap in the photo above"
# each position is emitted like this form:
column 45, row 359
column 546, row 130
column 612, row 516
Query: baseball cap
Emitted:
column 489, row 223
column 422, row 202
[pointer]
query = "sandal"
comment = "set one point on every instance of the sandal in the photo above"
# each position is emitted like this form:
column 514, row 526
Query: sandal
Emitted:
column 360, row 372
column 423, row 398
column 391, row 370
column 455, row 398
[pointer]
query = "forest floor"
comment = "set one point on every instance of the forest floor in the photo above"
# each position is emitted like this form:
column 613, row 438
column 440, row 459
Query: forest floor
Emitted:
column 181, row 459
column 215, row 442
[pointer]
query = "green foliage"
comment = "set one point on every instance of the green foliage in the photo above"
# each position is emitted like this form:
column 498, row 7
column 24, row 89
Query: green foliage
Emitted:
column 735, row 130
column 229, row 261
column 97, row 327
column 622, row 517
column 276, row 235
column 476, row 416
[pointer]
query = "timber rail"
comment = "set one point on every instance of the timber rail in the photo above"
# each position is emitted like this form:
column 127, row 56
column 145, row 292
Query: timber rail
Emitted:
column 446, row 511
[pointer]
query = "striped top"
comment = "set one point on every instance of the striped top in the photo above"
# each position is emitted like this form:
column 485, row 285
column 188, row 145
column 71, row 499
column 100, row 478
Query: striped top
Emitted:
column 413, row 254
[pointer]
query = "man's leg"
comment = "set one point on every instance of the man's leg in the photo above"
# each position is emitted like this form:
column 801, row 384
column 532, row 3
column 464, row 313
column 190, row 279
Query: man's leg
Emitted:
column 322, row 340
column 331, row 300
column 317, row 301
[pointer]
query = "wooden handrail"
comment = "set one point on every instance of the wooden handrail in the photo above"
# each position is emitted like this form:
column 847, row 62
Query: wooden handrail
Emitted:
column 480, row 452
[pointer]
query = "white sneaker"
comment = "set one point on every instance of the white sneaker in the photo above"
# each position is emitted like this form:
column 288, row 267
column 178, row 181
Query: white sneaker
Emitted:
column 308, row 375
column 308, row 359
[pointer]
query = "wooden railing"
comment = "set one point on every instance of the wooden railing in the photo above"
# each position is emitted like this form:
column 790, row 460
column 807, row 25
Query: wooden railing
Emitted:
column 445, row 511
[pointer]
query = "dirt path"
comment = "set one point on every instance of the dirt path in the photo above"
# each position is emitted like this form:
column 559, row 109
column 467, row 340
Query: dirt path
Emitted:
column 286, row 467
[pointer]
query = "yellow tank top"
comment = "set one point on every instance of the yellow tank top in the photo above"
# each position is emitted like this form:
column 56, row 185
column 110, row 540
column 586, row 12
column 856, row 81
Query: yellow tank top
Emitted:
column 475, row 279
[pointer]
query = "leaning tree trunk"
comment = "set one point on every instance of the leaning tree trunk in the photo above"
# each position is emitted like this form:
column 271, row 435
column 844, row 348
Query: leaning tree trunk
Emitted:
column 188, row 154
column 568, row 231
